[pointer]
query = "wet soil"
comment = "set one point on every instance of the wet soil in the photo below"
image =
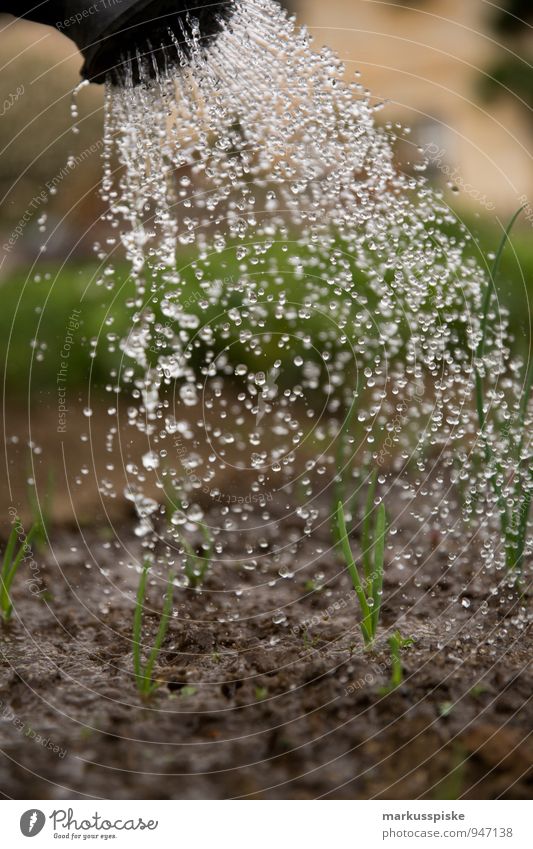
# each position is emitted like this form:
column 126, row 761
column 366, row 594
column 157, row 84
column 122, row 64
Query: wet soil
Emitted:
column 265, row 690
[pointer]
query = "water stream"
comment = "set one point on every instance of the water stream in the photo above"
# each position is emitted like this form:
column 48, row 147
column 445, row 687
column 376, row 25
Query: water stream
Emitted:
column 302, row 320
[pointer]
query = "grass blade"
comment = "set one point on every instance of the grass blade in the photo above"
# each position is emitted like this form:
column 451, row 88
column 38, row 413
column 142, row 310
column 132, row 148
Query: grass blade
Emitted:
column 20, row 554
column 143, row 676
column 10, row 566
column 515, row 556
column 341, row 460
column 10, row 547
column 162, row 630
column 491, row 288
column 396, row 663
column 208, row 539
column 367, row 541
column 8, row 557
column 354, row 574
column 379, row 564
column 525, row 509
column 137, row 622
column 524, row 404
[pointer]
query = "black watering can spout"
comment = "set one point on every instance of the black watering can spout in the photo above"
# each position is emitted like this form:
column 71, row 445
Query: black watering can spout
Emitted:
column 110, row 33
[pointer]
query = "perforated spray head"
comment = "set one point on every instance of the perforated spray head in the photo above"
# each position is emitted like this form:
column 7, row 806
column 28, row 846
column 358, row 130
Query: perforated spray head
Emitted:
column 144, row 37
column 128, row 38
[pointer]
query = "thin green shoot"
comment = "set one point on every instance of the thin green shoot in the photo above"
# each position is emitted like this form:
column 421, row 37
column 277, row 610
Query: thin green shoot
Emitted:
column 526, row 395
column 515, row 558
column 11, row 562
column 367, row 535
column 196, row 565
column 373, row 583
column 343, row 456
column 524, row 496
column 144, row 673
column 173, row 500
column 478, row 690
column 41, row 509
column 490, row 291
column 378, row 565
column 452, row 785
column 343, row 464
column 397, row 644
column 513, row 521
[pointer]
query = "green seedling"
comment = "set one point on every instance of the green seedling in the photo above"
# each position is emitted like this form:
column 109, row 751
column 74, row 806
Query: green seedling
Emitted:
column 261, row 693
column 41, row 509
column 144, row 674
column 368, row 538
column 514, row 520
column 12, row 560
column 196, row 565
column 487, row 300
column 397, row 644
column 85, row 733
column 452, row 785
column 344, row 449
column 45, row 596
column 309, row 641
column 373, row 564
column 344, row 457
column 478, row 690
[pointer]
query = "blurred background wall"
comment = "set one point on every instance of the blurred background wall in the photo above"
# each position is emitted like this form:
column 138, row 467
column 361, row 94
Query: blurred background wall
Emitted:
column 455, row 71
column 443, row 67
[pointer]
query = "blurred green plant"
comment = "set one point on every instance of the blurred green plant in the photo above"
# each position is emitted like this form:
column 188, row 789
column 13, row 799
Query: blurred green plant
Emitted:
column 35, row 312
column 41, row 509
column 146, row 684
column 196, row 564
column 514, row 518
column 373, row 566
column 397, row 644
column 12, row 560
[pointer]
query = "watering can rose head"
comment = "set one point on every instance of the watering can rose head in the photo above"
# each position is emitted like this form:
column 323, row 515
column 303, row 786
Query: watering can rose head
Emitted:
column 109, row 33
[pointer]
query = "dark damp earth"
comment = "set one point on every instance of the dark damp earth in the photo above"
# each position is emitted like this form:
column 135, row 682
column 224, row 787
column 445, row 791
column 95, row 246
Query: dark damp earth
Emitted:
column 256, row 707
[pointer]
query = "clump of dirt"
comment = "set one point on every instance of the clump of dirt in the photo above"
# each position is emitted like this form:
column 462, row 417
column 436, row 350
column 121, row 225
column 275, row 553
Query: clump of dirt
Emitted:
column 264, row 693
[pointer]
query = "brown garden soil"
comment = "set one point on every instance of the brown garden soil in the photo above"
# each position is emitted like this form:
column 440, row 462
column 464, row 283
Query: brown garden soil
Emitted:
column 250, row 708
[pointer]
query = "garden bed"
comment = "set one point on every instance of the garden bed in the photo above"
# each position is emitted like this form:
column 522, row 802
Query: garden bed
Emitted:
column 252, row 706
